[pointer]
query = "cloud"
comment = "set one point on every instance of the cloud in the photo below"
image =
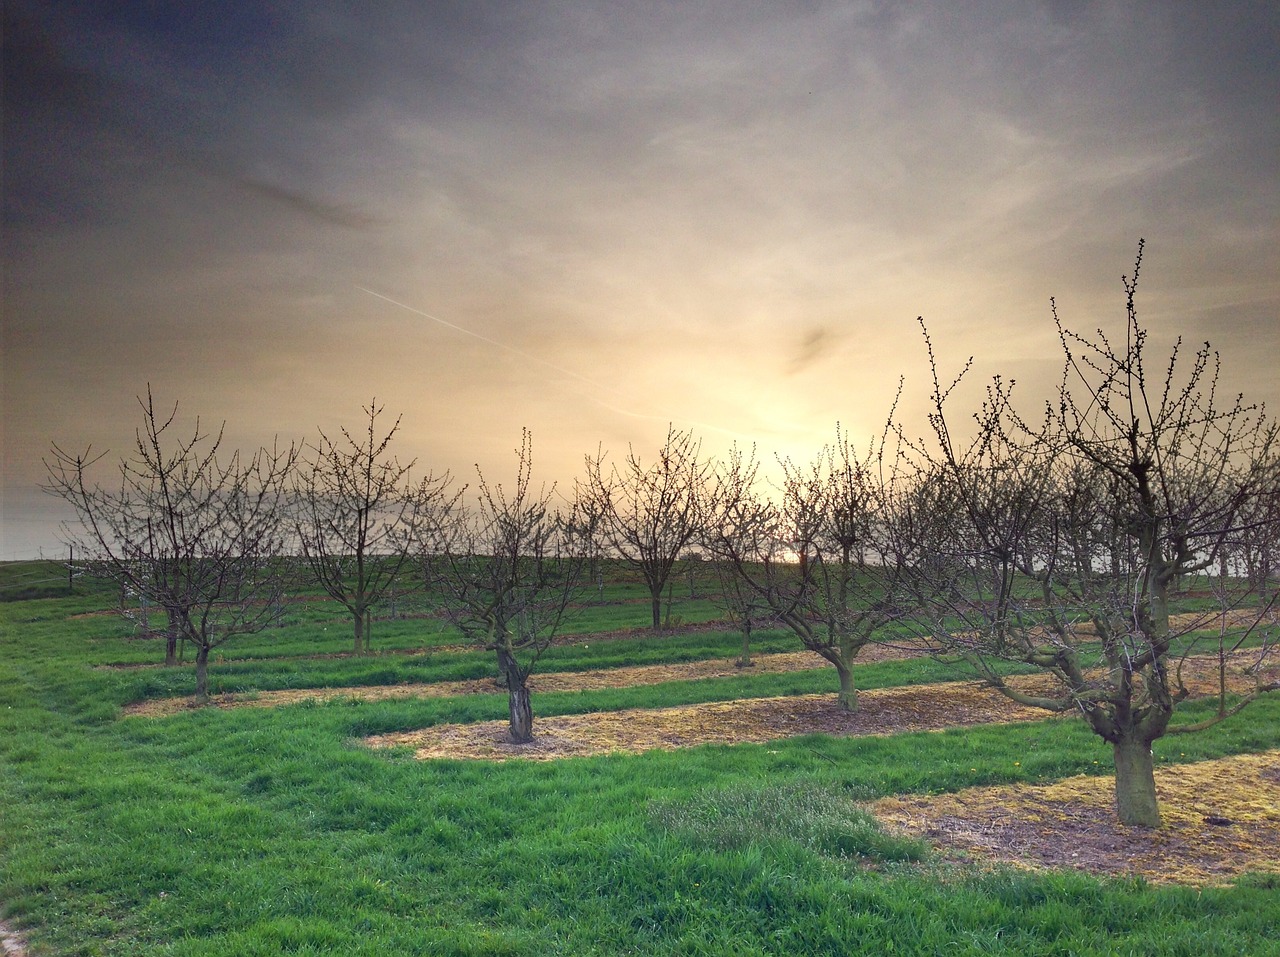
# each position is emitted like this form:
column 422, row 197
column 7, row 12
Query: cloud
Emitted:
column 321, row 210
column 812, row 347
column 693, row 204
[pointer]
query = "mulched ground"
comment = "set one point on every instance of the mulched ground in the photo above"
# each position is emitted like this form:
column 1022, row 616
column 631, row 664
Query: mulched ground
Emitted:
column 913, row 708
column 925, row 707
column 552, row 681
column 1219, row 820
column 931, row 707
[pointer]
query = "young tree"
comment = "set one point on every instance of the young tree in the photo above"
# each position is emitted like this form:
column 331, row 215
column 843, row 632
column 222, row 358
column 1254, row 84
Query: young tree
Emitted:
column 740, row 527
column 649, row 516
column 1079, row 528
column 201, row 537
column 827, row 559
column 359, row 515
column 510, row 575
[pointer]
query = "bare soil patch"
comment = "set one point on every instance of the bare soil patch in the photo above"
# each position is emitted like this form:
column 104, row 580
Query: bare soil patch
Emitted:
column 12, row 944
column 1220, row 819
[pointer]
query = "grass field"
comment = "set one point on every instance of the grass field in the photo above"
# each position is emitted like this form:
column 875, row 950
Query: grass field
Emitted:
column 275, row 831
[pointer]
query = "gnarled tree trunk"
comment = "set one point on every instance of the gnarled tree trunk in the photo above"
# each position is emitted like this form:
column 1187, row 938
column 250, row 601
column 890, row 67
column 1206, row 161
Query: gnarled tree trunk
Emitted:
column 848, row 697
column 1135, row 782
column 521, row 709
column 518, row 701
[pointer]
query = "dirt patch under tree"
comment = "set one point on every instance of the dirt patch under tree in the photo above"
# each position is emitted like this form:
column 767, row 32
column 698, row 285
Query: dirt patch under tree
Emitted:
column 1219, row 819
column 923, row 707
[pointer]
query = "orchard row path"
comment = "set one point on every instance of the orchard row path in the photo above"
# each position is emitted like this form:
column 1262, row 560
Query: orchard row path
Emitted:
column 882, row 711
column 624, row 677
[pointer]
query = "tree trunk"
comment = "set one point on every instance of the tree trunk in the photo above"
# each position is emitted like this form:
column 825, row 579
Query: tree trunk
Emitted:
column 744, row 660
column 1135, row 783
column 171, row 638
column 518, row 702
column 657, row 610
column 848, row 697
column 358, row 617
column 521, row 710
column 202, row 673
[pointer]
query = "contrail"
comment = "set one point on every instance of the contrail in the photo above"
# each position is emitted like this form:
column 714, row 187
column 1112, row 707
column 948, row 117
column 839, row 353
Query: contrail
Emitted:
column 595, row 387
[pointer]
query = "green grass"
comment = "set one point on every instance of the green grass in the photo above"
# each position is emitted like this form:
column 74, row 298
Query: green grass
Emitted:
column 265, row 832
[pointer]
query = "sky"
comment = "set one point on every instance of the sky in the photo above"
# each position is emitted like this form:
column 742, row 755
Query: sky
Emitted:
column 600, row 219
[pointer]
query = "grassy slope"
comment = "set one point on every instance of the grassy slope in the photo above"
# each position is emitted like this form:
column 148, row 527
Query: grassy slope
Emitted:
column 267, row 832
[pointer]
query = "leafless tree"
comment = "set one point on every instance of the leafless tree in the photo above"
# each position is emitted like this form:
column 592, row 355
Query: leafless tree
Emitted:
column 649, row 515
column 359, row 516
column 1254, row 549
column 741, row 528
column 826, row 559
column 202, row 537
column 510, row 575
column 1066, row 538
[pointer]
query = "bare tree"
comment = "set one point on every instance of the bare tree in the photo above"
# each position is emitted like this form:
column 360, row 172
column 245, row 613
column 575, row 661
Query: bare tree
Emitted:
column 201, row 537
column 360, row 514
column 1065, row 540
column 741, row 529
column 826, row 560
column 1255, row 548
column 649, row 515
column 510, row 575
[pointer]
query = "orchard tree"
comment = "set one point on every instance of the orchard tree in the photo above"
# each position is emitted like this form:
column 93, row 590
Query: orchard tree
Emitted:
column 509, row 575
column 827, row 559
column 359, row 515
column 1255, row 549
column 650, row 515
column 741, row 526
column 1064, row 540
column 200, row 534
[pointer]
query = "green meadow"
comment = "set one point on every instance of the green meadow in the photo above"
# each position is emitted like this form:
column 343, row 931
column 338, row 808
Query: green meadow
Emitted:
column 276, row 831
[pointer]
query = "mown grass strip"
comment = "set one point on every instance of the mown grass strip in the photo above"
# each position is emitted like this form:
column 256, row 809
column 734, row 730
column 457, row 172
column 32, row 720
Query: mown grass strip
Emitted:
column 268, row 832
